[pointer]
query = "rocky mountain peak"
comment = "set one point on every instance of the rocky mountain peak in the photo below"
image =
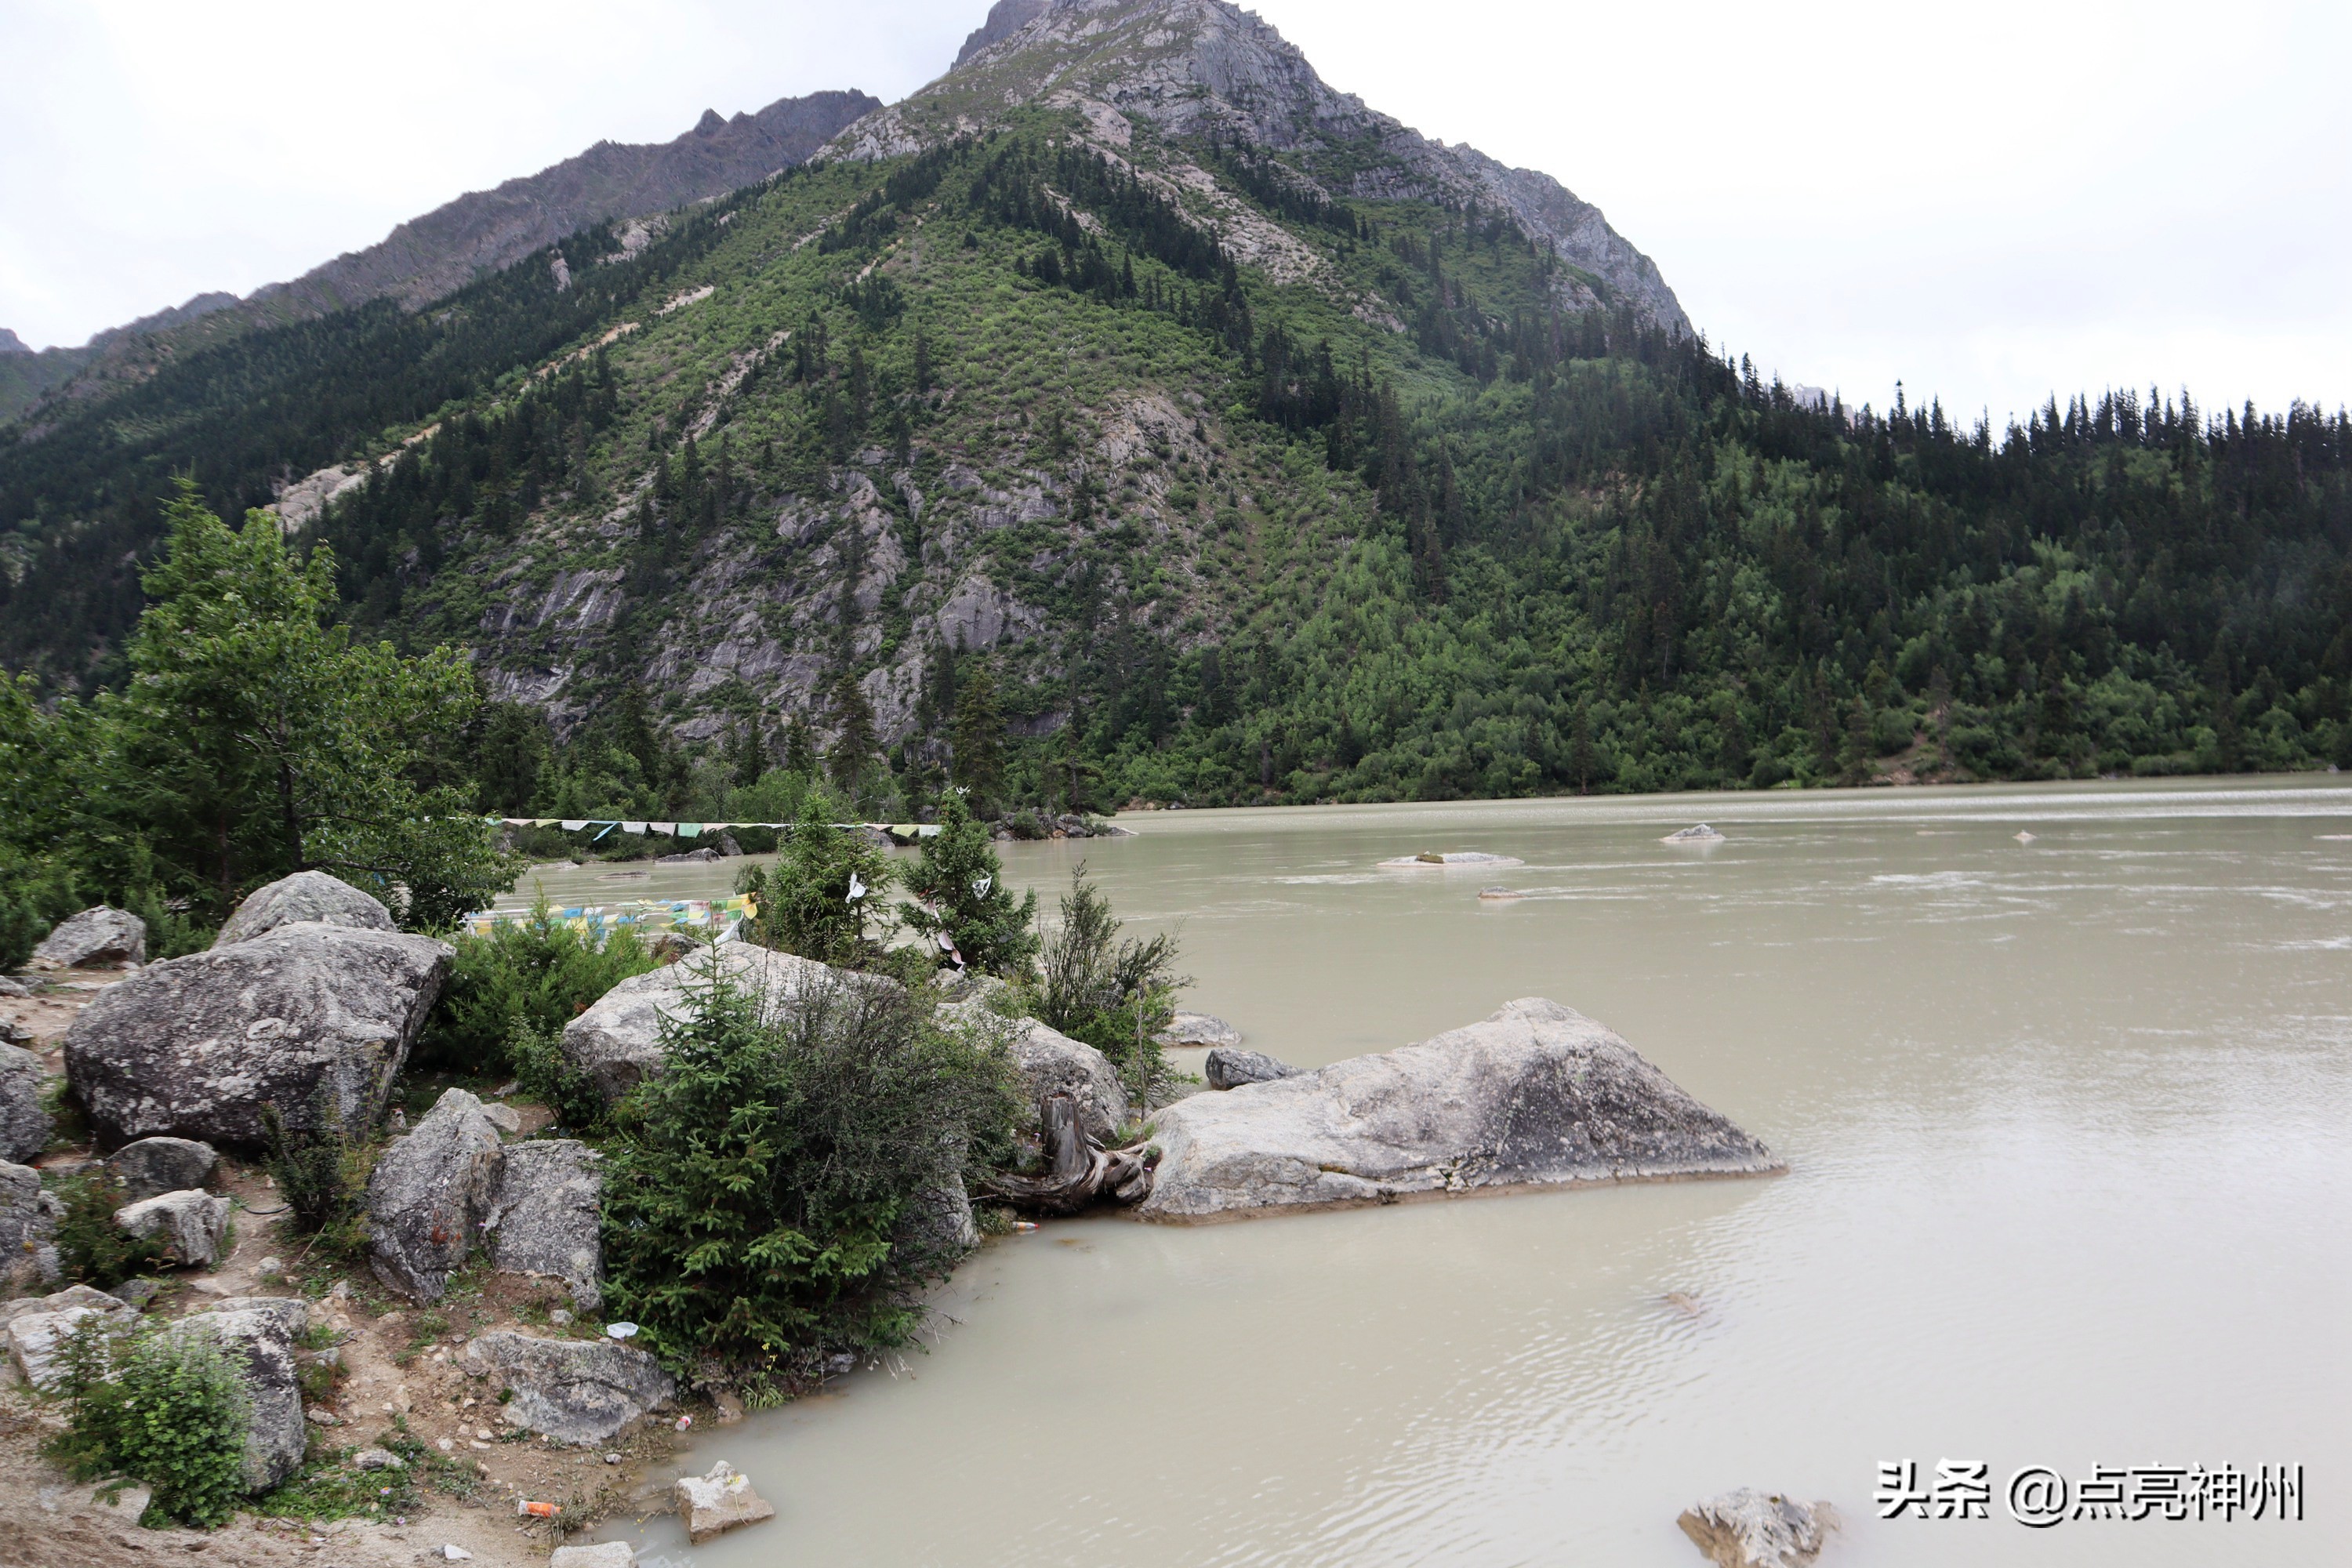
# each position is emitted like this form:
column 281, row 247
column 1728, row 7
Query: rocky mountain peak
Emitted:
column 710, row 125
column 10, row 343
column 1207, row 69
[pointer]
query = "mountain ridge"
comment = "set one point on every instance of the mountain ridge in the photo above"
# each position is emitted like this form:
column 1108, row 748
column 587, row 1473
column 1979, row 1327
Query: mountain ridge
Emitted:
column 1207, row 67
column 427, row 256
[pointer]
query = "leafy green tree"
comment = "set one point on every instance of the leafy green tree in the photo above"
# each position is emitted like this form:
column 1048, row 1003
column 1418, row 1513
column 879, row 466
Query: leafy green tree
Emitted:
column 962, row 883
column 823, row 897
column 762, row 1201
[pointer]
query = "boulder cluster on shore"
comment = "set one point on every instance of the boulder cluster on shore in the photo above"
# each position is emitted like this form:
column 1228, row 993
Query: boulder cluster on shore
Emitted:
column 306, row 1008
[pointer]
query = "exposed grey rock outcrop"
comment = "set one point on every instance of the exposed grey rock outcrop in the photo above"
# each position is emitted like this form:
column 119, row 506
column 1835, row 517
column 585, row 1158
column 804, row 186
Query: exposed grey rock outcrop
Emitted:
column 29, row 1228
column 304, row 896
column 597, row 1554
column 188, row 1225
column 939, row 1220
column 720, row 1501
column 544, row 1216
column 1537, row 1094
column 618, row 1041
column 98, row 937
column 197, row 1046
column 257, row 1335
column 578, row 1390
column 24, row 1124
column 152, row 1166
column 1749, row 1529
column 1231, row 1069
column 429, row 1194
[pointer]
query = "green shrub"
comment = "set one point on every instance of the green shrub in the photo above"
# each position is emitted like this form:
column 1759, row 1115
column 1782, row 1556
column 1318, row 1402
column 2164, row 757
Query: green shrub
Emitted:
column 166, row 1408
column 803, row 898
column 547, row 1076
column 537, row 972
column 753, row 1199
column 91, row 1249
column 321, row 1173
column 35, row 895
column 1115, row 995
column 962, row 883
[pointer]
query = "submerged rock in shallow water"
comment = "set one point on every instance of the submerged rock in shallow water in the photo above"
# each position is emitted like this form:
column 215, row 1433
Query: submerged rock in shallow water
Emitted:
column 720, row 1501
column 1536, row 1095
column 1749, row 1529
column 1200, row 1029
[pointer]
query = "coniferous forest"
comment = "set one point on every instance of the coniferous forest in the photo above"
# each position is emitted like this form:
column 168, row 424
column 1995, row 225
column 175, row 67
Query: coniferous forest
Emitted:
column 1389, row 522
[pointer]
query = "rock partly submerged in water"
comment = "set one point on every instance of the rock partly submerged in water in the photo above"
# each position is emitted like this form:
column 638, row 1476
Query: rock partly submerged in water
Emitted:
column 719, row 1501
column 1198, row 1029
column 1749, row 1529
column 304, row 896
column 618, row 1041
column 1698, row 833
column 101, row 937
column 197, row 1047
column 1432, row 860
column 1232, row 1068
column 1536, row 1095
column 1051, row 1063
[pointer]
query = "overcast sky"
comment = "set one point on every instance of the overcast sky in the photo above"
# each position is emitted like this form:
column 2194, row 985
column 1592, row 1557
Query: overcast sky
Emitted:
column 1990, row 202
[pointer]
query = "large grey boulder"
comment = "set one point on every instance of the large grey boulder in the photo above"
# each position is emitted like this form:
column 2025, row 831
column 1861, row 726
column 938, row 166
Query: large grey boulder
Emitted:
column 577, row 1391
column 23, row 1123
column 257, row 1333
column 190, row 1226
column 618, row 1041
column 197, row 1046
column 150, row 1166
column 304, row 896
column 1232, row 1068
column 544, row 1216
column 1536, row 1095
column 429, row 1194
column 98, row 937
column 1051, row 1063
column 39, row 1342
column 1749, row 1529
column 937, row 1222
column 28, row 1229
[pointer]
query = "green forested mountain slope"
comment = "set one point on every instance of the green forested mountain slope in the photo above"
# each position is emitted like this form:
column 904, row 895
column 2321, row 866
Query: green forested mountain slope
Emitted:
column 1129, row 413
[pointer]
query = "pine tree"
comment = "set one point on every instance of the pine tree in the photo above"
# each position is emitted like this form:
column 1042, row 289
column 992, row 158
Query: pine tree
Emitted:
column 978, row 737
column 852, row 746
column 965, row 899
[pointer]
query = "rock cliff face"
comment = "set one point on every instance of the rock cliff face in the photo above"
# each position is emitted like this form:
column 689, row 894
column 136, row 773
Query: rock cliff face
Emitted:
column 1208, row 67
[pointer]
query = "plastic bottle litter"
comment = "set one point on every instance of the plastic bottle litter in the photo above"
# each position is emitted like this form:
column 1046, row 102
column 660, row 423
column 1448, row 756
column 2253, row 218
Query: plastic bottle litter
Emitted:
column 1024, row 1225
column 537, row 1510
column 684, row 1422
